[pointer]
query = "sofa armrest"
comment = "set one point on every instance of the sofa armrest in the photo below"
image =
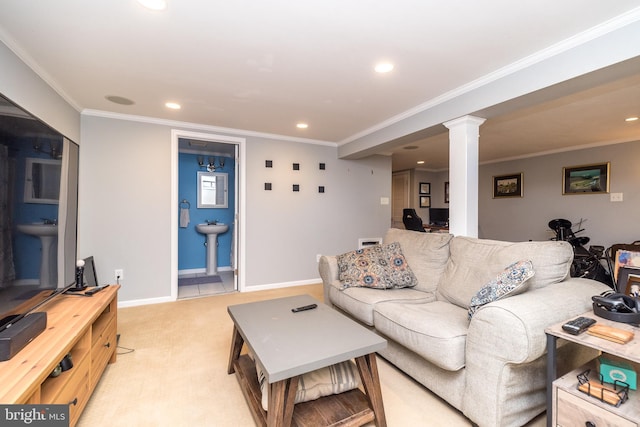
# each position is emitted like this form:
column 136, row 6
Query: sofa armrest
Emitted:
column 328, row 268
column 512, row 329
column 506, row 343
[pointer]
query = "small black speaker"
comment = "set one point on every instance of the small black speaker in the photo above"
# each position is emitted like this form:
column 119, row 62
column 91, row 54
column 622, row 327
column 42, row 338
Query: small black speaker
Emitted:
column 16, row 337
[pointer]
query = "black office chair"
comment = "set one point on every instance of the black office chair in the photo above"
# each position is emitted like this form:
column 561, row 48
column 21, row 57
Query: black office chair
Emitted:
column 412, row 221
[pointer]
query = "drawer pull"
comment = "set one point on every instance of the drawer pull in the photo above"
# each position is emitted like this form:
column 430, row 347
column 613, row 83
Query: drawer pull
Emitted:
column 108, row 344
column 74, row 402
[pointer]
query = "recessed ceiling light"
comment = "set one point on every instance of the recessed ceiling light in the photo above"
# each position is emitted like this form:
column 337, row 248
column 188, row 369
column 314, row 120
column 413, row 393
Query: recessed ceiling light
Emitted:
column 630, row 119
column 302, row 125
column 383, row 67
column 172, row 105
column 154, row 4
column 119, row 100
column 420, row 162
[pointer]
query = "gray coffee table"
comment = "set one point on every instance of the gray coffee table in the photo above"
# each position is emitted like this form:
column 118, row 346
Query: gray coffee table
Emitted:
column 290, row 344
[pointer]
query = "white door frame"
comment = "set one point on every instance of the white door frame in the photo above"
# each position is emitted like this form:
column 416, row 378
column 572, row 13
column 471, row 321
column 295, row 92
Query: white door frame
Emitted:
column 406, row 194
column 240, row 209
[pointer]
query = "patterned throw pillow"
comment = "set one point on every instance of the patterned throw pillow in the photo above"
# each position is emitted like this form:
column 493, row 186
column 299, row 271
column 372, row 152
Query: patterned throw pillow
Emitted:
column 322, row 382
column 378, row 267
column 509, row 282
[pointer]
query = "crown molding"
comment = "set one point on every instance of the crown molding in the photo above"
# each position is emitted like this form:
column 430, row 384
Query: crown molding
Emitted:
column 202, row 127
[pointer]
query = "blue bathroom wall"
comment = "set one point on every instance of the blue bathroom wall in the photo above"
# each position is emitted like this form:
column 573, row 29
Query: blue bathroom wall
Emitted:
column 192, row 253
column 27, row 249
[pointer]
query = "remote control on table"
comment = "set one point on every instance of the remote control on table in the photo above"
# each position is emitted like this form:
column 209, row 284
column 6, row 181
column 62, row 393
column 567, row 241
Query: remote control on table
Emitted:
column 304, row 308
column 95, row 290
column 578, row 325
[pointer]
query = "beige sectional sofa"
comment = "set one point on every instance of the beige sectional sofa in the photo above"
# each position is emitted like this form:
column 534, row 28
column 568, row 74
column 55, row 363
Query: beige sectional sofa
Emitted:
column 490, row 367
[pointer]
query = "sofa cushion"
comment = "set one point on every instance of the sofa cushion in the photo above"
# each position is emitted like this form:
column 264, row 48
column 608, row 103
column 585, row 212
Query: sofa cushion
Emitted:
column 473, row 262
column 436, row 331
column 359, row 302
column 426, row 253
column 510, row 281
column 379, row 266
column 313, row 385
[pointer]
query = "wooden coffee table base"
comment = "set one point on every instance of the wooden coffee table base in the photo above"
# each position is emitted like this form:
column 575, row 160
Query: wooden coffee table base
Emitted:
column 352, row 408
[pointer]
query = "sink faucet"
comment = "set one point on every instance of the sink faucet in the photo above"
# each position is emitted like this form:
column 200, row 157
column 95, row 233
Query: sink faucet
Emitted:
column 212, row 222
column 48, row 221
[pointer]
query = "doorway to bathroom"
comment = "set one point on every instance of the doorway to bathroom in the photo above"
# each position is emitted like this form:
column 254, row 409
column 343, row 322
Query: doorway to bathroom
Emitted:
column 207, row 195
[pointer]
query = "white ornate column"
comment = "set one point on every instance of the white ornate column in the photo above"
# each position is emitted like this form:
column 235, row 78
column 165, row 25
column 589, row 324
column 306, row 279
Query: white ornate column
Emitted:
column 464, row 133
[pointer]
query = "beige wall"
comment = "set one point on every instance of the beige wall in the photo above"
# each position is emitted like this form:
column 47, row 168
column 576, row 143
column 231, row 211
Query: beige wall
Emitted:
column 24, row 87
column 525, row 218
column 125, row 195
column 125, row 213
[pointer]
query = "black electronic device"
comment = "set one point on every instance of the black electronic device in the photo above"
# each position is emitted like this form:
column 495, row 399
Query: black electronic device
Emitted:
column 66, row 363
column 85, row 275
column 18, row 335
column 304, row 308
column 439, row 216
column 95, row 290
column 47, row 166
column 20, row 329
column 617, row 307
column 578, row 325
column 90, row 276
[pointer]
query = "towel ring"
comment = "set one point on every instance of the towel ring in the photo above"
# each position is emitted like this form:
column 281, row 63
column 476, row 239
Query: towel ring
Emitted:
column 185, row 202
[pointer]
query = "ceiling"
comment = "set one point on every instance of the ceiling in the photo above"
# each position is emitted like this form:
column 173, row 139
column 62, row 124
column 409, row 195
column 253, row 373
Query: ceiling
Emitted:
column 263, row 66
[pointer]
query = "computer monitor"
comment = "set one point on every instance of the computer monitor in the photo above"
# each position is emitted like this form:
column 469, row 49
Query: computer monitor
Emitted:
column 439, row 216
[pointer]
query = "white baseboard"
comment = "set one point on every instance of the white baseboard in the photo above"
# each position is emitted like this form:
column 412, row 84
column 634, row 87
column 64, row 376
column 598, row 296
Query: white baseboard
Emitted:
column 159, row 300
column 147, row 301
column 281, row 285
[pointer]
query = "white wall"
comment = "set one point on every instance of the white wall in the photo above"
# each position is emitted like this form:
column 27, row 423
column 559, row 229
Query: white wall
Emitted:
column 125, row 210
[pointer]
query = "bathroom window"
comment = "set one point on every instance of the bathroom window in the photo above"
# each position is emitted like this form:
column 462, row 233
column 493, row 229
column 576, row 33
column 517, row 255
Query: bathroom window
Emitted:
column 212, row 190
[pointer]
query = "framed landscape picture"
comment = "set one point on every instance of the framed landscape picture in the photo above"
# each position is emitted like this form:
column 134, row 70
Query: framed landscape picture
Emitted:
column 425, row 201
column 507, row 186
column 586, row 179
column 425, row 188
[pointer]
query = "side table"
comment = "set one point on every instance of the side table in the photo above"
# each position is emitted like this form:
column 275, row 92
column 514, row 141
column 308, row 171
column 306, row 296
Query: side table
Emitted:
column 565, row 403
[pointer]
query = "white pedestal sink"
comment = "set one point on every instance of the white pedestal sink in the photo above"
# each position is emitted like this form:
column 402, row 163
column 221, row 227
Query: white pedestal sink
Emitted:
column 48, row 234
column 212, row 231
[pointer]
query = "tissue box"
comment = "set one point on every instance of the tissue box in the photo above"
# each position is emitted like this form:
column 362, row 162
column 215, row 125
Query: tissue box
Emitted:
column 612, row 368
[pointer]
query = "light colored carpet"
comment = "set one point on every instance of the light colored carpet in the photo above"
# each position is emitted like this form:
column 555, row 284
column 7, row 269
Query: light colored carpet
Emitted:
column 177, row 375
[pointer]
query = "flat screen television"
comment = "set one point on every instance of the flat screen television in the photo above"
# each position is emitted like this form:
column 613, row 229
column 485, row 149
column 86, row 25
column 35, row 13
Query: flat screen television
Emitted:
column 439, row 216
column 38, row 213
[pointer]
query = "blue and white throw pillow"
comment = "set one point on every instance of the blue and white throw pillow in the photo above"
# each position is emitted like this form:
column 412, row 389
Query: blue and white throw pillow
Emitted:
column 377, row 267
column 510, row 281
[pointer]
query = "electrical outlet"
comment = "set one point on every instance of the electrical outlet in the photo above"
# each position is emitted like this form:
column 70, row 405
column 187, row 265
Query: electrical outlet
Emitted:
column 119, row 274
column 615, row 197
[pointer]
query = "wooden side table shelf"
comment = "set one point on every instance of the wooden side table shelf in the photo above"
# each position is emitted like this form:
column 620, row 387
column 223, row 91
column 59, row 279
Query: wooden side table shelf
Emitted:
column 566, row 405
column 86, row 328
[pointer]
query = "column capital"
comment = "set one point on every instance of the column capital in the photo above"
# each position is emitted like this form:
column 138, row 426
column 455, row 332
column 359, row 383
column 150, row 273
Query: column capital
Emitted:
column 465, row 120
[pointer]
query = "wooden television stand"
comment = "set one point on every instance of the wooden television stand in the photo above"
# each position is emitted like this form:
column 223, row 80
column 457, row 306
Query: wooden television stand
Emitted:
column 83, row 326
